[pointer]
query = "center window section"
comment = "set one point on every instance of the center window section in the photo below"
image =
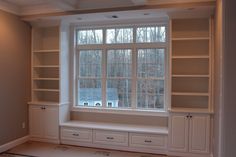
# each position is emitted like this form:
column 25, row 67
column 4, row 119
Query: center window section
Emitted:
column 119, row 73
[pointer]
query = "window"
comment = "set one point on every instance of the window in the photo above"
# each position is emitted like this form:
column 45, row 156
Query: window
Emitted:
column 121, row 68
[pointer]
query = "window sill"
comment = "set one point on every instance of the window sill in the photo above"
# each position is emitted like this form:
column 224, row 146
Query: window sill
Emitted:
column 159, row 113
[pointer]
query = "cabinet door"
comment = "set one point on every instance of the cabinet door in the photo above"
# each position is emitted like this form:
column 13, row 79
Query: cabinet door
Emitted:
column 51, row 123
column 36, row 121
column 199, row 135
column 178, row 137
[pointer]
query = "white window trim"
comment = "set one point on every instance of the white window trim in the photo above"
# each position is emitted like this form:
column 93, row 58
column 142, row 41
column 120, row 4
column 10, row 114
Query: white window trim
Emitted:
column 129, row 111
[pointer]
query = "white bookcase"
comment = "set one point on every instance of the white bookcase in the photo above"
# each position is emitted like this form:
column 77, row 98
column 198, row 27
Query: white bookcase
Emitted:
column 45, row 65
column 191, row 64
column 191, row 87
column 50, row 86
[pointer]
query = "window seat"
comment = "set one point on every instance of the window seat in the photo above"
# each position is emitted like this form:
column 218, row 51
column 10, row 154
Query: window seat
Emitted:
column 117, row 127
column 127, row 137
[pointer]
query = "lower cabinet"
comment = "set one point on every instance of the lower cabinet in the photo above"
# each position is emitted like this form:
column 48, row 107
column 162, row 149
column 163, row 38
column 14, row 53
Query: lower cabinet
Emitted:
column 114, row 139
column 189, row 133
column 110, row 137
column 152, row 141
column 44, row 123
column 76, row 134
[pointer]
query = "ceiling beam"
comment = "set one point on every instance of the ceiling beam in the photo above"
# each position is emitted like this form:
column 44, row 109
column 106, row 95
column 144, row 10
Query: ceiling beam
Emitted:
column 62, row 5
column 139, row 2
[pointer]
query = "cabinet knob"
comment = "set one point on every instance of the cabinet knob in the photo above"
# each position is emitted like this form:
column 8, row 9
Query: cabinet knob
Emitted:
column 75, row 134
column 148, row 141
column 110, row 138
column 43, row 107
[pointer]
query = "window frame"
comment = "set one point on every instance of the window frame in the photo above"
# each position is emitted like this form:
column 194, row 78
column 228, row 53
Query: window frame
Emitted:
column 134, row 46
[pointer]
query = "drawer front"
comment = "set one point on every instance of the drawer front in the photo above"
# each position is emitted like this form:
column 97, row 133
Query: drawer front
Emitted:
column 76, row 134
column 148, row 141
column 110, row 137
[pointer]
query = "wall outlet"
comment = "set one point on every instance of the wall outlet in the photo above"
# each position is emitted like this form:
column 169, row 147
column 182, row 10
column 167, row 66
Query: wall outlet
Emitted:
column 23, row 125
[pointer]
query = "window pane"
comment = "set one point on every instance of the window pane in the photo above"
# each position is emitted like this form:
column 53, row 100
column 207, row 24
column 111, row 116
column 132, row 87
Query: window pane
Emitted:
column 150, row 89
column 118, row 93
column 90, row 63
column 150, row 93
column 151, row 63
column 151, row 34
column 90, row 92
column 119, row 63
column 93, row 36
column 122, row 35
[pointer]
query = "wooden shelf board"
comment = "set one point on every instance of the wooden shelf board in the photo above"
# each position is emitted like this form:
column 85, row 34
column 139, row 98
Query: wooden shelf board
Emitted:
column 49, row 103
column 56, row 79
column 191, row 57
column 190, row 110
column 190, row 38
column 47, row 51
column 117, row 127
column 190, row 94
column 46, row 90
column 190, row 76
column 46, row 66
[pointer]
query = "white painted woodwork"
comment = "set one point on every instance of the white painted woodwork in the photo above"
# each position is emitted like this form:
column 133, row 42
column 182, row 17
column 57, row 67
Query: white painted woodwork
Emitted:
column 178, row 133
column 117, row 127
column 51, row 122
column 150, row 141
column 44, row 122
column 189, row 133
column 199, row 133
column 35, row 121
column 138, row 138
column 76, row 134
column 191, row 65
column 110, row 137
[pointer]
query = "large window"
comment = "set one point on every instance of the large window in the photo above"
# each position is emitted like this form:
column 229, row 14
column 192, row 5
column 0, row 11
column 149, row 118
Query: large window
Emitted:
column 121, row 67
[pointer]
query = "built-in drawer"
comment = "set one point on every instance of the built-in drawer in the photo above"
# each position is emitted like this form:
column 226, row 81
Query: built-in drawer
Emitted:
column 76, row 134
column 152, row 141
column 110, row 137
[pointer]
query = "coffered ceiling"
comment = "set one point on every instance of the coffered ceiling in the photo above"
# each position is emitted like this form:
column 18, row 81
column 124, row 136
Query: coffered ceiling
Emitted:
column 102, row 9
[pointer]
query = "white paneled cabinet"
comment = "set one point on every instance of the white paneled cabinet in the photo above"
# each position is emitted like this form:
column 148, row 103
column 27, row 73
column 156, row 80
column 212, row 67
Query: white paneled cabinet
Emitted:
column 199, row 133
column 44, row 124
column 178, row 135
column 189, row 133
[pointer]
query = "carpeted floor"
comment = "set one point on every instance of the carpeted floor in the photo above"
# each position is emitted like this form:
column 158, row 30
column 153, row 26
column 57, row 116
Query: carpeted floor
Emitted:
column 38, row 149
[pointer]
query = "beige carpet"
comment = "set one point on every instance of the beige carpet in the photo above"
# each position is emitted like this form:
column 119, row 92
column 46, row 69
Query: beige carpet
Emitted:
column 38, row 149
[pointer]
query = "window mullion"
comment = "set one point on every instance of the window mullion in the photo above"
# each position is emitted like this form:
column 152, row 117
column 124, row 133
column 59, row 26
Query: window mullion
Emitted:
column 104, row 70
column 134, row 72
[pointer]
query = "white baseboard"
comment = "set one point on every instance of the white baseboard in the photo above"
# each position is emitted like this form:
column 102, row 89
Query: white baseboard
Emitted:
column 14, row 143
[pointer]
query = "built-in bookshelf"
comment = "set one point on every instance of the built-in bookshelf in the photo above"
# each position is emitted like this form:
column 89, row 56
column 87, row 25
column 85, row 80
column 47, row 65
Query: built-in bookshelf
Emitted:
column 45, row 65
column 191, row 64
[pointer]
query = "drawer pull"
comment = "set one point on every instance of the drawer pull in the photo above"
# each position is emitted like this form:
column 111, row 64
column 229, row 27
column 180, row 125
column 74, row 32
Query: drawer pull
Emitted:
column 75, row 134
column 148, row 141
column 110, row 138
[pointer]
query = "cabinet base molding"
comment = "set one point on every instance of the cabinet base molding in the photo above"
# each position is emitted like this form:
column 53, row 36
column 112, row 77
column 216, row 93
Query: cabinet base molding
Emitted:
column 122, row 148
column 188, row 154
column 14, row 143
column 55, row 141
